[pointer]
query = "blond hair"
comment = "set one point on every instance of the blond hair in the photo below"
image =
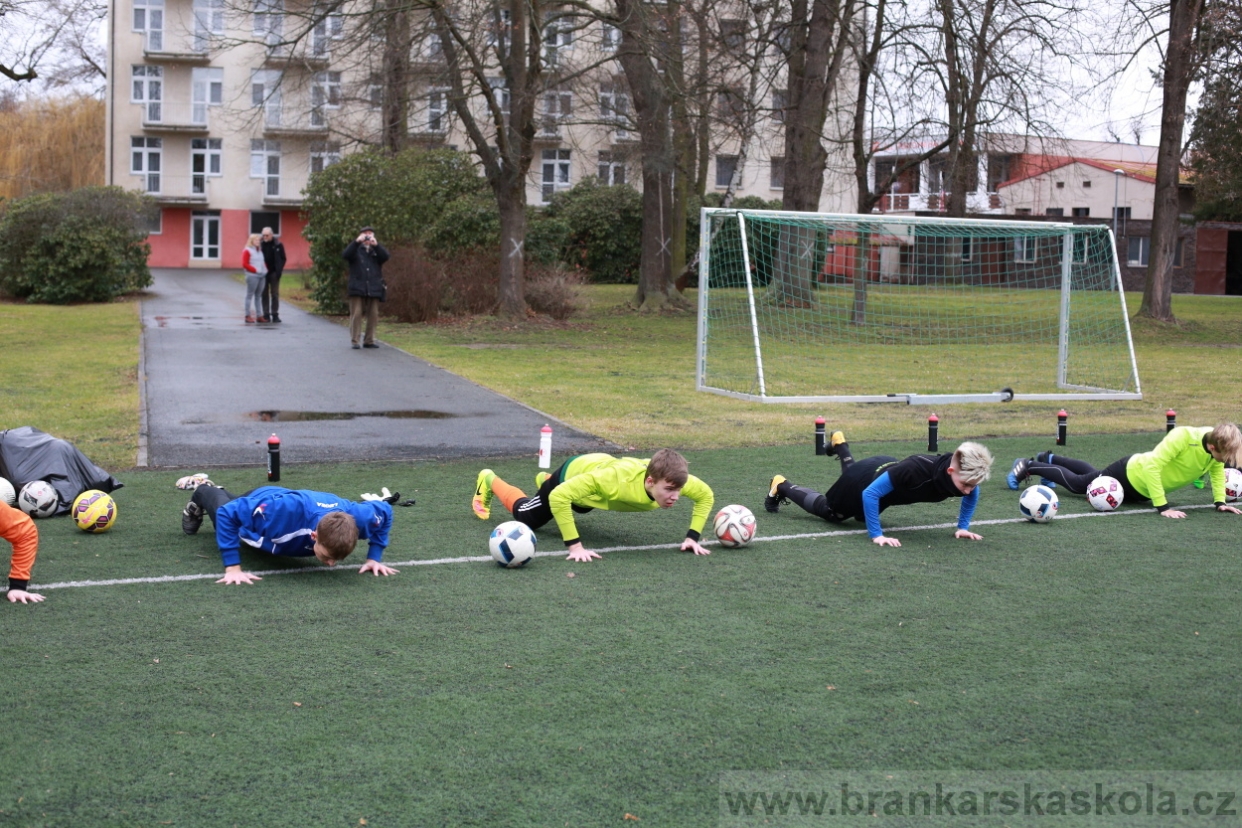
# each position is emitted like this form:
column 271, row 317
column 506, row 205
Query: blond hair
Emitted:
column 973, row 462
column 669, row 466
column 1227, row 440
column 253, row 241
column 337, row 534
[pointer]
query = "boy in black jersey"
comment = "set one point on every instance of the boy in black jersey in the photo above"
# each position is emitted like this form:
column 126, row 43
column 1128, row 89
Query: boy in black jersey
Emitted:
column 868, row 487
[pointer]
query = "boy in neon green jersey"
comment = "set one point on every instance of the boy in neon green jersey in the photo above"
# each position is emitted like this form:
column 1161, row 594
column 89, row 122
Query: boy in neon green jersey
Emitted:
column 1182, row 457
column 601, row 481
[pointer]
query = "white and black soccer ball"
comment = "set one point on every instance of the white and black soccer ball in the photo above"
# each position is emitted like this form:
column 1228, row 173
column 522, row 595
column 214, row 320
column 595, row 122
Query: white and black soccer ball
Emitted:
column 1233, row 485
column 1105, row 493
column 7, row 493
column 734, row 526
column 512, row 544
column 38, row 499
column 1038, row 504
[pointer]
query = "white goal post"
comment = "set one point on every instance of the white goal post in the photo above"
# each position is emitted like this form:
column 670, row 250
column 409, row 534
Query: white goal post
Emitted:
column 816, row 307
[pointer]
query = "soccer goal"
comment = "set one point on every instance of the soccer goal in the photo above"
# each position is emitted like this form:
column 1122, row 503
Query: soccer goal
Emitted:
column 807, row 307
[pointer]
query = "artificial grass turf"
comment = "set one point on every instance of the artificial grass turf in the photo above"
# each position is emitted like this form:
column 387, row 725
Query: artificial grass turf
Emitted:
column 464, row 694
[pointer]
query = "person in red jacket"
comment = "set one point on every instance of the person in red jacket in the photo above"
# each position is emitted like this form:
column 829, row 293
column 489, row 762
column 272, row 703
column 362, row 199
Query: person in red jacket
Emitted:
column 256, row 277
column 18, row 528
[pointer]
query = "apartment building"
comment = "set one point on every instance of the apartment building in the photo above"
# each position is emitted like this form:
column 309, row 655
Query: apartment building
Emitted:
column 222, row 111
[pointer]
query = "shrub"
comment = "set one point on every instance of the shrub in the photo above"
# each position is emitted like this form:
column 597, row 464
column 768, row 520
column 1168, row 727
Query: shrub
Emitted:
column 553, row 291
column 88, row 245
column 604, row 229
column 402, row 196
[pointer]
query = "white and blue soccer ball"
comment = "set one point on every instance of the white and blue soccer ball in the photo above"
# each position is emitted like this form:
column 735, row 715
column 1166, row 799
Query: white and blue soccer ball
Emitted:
column 1105, row 493
column 38, row 499
column 1038, row 504
column 512, row 544
column 7, row 493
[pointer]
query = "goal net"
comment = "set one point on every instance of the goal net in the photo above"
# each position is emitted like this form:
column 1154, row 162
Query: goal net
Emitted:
column 806, row 307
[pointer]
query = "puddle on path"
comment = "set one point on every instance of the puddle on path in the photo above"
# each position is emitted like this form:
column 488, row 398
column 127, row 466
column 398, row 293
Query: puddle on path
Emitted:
column 292, row 416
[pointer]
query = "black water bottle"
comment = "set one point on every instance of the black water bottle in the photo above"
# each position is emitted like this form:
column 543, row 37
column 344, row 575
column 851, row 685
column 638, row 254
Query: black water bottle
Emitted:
column 821, row 445
column 273, row 459
column 933, row 434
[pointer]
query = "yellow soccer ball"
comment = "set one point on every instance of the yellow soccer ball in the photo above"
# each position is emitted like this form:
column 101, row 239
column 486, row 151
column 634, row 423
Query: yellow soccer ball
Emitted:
column 94, row 511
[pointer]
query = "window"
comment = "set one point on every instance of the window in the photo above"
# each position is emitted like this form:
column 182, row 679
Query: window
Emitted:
column 780, row 102
column 555, row 172
column 1055, row 212
column 1080, row 212
column 148, row 89
column 1086, row 184
column 265, row 218
column 998, row 171
column 265, row 92
column 611, row 168
column 145, row 157
column 777, row 175
column 614, row 105
column 1022, row 211
column 149, row 18
column 433, row 47
column 208, row 21
column 329, row 28
column 730, row 104
column 375, row 92
column 1139, row 251
column 1178, row 252
column 206, row 90
column 733, row 34
column 265, row 164
column 1060, row 185
column 1121, row 215
column 323, row 154
column 609, row 37
column 325, row 95
column 1024, row 249
column 269, row 21
column 968, row 248
column 557, row 106
column 155, row 225
column 205, row 234
column 501, row 92
column 558, row 38
column 725, row 165
column 437, row 110
column 498, row 37
column 205, row 162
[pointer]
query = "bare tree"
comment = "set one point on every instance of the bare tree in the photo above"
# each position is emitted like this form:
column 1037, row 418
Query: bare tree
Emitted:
column 56, row 41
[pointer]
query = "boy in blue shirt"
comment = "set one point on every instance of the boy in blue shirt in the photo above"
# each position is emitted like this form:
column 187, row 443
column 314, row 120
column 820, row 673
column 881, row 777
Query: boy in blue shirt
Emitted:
column 289, row 523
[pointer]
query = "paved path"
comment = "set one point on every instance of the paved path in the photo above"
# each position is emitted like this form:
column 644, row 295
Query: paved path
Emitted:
column 208, row 377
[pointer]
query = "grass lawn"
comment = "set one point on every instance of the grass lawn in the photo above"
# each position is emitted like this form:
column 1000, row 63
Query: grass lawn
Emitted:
column 462, row 694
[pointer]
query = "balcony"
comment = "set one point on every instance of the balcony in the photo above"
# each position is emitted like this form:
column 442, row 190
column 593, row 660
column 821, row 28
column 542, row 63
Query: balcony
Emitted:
column 291, row 56
column 276, row 125
column 165, row 47
column 166, row 117
column 178, row 190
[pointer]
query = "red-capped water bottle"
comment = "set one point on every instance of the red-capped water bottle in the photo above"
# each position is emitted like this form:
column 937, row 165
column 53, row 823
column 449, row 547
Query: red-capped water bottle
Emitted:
column 545, row 447
column 273, row 459
column 1170, row 420
column 1062, row 426
column 933, row 434
column 821, row 444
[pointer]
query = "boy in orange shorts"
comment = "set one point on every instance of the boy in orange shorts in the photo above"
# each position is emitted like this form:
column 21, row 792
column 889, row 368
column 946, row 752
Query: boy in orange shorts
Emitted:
column 18, row 528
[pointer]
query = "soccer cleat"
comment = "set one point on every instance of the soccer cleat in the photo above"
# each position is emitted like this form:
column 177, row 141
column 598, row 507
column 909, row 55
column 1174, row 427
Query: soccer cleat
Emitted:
column 1018, row 473
column 838, row 437
column 540, row 479
column 191, row 518
column 482, row 500
column 774, row 499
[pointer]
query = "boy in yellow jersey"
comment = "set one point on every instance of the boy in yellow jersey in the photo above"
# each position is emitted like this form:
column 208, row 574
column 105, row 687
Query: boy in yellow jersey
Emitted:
column 601, row 481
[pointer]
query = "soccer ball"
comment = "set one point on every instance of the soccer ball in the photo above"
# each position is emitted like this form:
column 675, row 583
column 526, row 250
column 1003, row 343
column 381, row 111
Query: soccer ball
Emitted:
column 7, row 493
column 94, row 511
column 735, row 526
column 1038, row 504
column 512, row 544
column 1233, row 485
column 38, row 499
column 1105, row 493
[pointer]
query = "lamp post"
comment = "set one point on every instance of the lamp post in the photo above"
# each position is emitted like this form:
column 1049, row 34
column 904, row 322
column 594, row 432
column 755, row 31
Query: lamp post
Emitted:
column 1117, row 174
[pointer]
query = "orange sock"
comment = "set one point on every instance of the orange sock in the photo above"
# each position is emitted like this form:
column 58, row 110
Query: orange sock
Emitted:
column 508, row 493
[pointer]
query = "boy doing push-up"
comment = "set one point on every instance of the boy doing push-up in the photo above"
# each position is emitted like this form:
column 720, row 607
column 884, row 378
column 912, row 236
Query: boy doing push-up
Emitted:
column 869, row 486
column 600, row 481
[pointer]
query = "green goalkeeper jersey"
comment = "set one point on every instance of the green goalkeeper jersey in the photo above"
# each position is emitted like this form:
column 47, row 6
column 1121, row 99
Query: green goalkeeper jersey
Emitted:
column 1180, row 458
column 601, row 481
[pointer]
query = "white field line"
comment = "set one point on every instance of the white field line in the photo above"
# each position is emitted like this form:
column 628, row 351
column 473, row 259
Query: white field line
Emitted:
column 167, row 579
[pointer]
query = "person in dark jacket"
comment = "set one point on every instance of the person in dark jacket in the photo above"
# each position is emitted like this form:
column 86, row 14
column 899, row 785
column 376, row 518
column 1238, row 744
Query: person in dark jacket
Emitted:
column 274, row 257
column 366, row 257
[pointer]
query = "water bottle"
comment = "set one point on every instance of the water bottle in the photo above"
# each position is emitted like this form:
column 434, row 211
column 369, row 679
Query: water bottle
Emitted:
column 1062, row 427
column 933, row 434
column 273, row 459
column 545, row 447
column 821, row 446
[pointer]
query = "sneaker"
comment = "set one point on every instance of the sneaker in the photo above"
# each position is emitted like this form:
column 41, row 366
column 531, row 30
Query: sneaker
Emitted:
column 191, row 518
column 1018, row 473
column 838, row 437
column 261, row 319
column 369, row 345
column 276, row 317
column 774, row 499
column 355, row 346
column 481, row 503
column 540, row 478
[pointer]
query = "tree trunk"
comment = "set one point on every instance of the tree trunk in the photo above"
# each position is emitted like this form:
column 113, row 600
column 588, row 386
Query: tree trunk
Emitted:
column 862, row 266
column 512, row 262
column 1184, row 16
column 396, row 98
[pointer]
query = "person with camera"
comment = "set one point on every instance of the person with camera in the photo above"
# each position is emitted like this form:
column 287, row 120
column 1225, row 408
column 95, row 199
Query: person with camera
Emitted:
column 366, row 257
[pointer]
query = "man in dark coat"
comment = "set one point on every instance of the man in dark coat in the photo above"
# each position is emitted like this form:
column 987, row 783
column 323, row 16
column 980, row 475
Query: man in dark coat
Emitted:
column 366, row 257
column 274, row 257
